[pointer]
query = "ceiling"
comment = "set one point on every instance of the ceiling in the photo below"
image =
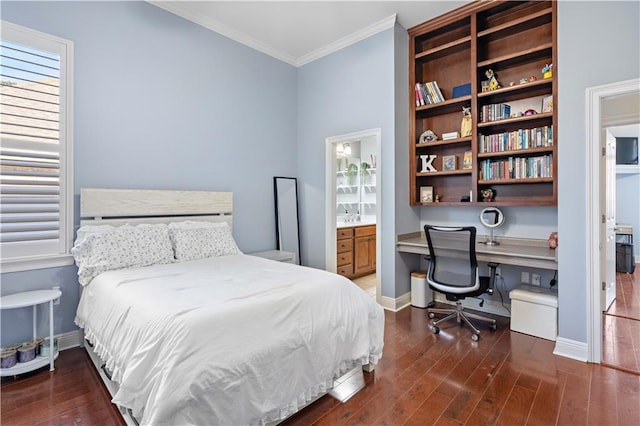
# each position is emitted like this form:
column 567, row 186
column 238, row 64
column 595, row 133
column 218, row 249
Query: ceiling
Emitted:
column 298, row 32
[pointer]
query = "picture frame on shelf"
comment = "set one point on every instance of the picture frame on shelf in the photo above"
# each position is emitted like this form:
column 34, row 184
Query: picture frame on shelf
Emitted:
column 547, row 104
column 467, row 160
column 449, row 163
column 426, row 194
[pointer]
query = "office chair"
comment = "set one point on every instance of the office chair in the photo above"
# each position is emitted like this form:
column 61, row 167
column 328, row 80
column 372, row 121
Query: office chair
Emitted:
column 453, row 271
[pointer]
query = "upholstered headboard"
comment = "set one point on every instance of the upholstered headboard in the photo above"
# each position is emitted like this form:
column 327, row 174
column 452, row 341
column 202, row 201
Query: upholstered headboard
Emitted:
column 120, row 206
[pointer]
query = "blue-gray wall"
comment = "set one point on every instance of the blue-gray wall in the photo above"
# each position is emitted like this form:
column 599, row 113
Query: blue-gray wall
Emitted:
column 162, row 103
column 609, row 31
column 347, row 91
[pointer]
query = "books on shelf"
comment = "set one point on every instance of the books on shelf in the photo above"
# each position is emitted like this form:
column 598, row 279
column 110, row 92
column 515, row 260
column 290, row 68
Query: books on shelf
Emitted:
column 517, row 168
column 467, row 160
column 494, row 112
column 519, row 139
column 428, row 93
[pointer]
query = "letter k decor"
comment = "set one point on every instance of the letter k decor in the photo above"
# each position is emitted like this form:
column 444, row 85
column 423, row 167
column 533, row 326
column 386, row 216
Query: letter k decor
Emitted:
column 427, row 163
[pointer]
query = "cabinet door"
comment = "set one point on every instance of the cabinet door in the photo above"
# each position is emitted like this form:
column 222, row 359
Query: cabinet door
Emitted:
column 363, row 253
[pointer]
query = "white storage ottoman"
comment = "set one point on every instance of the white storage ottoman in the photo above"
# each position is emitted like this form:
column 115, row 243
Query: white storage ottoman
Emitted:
column 534, row 311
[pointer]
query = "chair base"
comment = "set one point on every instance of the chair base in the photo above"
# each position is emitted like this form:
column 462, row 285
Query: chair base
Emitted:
column 461, row 316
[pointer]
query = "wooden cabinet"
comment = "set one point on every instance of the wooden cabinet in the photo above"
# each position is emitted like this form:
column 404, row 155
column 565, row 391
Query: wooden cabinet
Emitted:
column 513, row 154
column 356, row 251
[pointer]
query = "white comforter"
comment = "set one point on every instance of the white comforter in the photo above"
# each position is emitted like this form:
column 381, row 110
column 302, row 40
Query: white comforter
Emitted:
column 228, row 340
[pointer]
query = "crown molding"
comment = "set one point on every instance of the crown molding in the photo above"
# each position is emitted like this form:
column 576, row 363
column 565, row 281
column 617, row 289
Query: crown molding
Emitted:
column 353, row 38
column 240, row 37
column 224, row 30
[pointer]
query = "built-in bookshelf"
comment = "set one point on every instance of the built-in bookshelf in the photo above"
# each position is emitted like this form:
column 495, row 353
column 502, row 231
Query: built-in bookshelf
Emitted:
column 512, row 141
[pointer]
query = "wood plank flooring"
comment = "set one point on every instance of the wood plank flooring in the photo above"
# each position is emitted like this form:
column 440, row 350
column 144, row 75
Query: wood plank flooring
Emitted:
column 506, row 378
column 621, row 324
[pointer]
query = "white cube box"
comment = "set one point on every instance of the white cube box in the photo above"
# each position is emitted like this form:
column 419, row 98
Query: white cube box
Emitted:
column 534, row 311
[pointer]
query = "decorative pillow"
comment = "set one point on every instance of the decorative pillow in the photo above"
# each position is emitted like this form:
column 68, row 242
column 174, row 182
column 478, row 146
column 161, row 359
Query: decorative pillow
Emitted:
column 123, row 247
column 200, row 243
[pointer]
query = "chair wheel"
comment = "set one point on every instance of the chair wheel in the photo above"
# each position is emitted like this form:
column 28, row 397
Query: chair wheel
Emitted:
column 435, row 329
column 432, row 315
column 493, row 327
column 475, row 337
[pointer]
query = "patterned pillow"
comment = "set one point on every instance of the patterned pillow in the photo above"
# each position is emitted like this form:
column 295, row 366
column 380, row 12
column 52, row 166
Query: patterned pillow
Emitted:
column 200, row 243
column 123, row 247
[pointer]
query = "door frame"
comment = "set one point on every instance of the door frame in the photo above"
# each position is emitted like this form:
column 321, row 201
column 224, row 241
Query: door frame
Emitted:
column 595, row 96
column 330, row 199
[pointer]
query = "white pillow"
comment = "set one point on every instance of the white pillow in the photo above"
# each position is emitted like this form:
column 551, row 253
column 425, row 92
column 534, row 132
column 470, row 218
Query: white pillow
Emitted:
column 123, row 247
column 200, row 243
column 86, row 230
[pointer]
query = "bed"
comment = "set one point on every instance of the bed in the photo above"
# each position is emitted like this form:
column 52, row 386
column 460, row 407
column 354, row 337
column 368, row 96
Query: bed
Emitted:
column 212, row 335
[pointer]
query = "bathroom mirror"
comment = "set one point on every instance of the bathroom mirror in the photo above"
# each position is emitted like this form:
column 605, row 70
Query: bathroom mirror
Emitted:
column 287, row 228
column 492, row 218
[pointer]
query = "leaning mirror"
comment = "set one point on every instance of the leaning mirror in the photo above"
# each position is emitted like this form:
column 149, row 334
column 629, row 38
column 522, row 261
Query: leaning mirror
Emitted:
column 287, row 227
column 492, row 218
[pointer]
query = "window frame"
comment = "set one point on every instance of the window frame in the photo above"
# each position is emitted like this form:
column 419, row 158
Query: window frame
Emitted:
column 47, row 42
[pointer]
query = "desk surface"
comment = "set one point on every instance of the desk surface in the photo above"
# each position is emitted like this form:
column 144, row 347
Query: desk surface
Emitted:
column 527, row 252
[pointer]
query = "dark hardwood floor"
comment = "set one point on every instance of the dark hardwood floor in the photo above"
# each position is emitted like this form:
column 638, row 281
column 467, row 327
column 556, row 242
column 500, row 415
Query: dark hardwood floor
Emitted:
column 506, row 378
column 621, row 324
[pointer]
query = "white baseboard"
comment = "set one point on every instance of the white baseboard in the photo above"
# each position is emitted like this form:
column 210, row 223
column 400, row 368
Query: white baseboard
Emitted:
column 71, row 339
column 571, row 349
column 395, row 305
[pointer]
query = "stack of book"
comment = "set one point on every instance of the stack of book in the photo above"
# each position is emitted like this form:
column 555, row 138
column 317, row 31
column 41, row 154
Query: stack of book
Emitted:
column 494, row 112
column 519, row 139
column 517, row 168
column 428, row 93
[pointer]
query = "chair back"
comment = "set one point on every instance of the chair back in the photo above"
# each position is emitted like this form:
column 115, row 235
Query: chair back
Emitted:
column 453, row 267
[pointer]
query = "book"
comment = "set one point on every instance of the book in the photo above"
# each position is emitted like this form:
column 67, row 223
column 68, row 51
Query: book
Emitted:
column 450, row 135
column 467, row 161
column 547, row 104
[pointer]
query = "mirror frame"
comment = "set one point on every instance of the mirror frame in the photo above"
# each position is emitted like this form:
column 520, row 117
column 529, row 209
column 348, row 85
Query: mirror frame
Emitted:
column 491, row 241
column 276, row 180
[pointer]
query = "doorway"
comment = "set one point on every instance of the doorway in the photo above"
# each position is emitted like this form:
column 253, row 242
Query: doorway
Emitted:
column 363, row 194
column 609, row 105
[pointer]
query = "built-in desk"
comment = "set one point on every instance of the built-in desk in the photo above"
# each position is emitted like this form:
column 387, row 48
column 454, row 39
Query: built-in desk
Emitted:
column 526, row 252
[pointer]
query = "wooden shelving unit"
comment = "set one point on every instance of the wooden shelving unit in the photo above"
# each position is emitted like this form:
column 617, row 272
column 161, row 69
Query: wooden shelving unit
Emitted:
column 516, row 40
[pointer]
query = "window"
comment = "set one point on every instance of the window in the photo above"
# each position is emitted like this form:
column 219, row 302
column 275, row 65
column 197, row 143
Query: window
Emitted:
column 36, row 180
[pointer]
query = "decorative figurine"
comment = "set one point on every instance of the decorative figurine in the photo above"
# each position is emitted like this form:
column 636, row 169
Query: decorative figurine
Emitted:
column 437, row 198
column 552, row 242
column 487, row 194
column 547, row 71
column 524, row 80
column 465, row 127
column 532, row 78
column 493, row 80
column 428, row 136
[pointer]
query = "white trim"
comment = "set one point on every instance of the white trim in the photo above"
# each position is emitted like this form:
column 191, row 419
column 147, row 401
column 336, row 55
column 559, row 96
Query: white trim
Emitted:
column 594, row 97
column 31, row 263
column 240, row 37
column 353, row 38
column 65, row 48
column 330, row 200
column 71, row 339
column 391, row 304
column 571, row 349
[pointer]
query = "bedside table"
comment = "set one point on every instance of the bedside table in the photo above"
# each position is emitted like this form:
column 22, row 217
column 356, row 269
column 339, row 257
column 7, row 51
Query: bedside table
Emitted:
column 278, row 255
column 32, row 298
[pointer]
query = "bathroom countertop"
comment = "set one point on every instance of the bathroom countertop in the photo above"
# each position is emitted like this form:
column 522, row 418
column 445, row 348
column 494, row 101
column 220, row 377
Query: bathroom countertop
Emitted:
column 342, row 224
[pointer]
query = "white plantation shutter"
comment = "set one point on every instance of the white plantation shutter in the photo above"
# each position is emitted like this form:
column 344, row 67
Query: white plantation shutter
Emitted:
column 36, row 194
